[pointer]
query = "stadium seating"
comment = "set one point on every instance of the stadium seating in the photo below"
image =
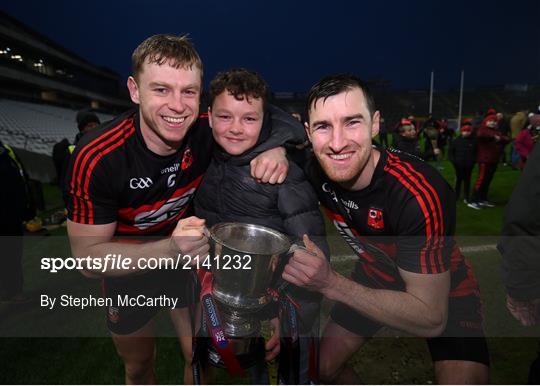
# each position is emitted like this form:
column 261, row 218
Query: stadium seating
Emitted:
column 36, row 127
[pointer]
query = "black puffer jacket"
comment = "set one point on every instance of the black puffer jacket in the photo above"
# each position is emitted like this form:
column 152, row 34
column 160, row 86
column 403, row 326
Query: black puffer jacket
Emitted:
column 228, row 193
column 462, row 151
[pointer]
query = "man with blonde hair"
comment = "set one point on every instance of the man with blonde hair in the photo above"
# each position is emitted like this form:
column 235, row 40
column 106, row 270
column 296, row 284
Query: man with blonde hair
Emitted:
column 136, row 177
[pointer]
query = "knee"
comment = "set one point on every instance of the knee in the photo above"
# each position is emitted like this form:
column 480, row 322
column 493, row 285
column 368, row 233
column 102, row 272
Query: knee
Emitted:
column 140, row 371
column 328, row 371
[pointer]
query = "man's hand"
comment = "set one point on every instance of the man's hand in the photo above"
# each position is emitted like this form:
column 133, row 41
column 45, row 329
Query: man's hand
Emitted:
column 526, row 312
column 271, row 166
column 272, row 346
column 189, row 238
column 309, row 269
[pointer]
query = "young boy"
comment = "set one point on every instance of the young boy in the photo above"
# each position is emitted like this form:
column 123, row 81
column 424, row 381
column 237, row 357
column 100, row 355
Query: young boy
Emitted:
column 462, row 154
column 406, row 139
column 240, row 119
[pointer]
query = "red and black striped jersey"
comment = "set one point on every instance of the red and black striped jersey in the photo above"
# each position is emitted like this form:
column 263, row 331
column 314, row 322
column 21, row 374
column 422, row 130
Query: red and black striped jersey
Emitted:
column 114, row 177
column 405, row 218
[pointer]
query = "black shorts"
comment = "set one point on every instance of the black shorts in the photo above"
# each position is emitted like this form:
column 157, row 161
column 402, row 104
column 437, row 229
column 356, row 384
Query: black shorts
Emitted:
column 125, row 319
column 463, row 338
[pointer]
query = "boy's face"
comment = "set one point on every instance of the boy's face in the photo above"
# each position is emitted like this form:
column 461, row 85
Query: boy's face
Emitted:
column 236, row 124
column 168, row 100
column 409, row 132
column 491, row 124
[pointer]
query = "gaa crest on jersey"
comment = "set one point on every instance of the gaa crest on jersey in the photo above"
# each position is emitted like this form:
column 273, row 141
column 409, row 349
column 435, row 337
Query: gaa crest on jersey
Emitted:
column 375, row 218
column 187, row 159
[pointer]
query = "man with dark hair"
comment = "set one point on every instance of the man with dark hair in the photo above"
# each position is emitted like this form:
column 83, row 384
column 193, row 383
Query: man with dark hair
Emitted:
column 86, row 121
column 398, row 215
column 135, row 177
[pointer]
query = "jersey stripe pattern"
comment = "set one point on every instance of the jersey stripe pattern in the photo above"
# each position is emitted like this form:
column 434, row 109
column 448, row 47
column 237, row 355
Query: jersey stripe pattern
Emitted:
column 114, row 177
column 404, row 219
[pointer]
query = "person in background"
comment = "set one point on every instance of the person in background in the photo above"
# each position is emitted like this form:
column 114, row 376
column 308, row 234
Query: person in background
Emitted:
column 16, row 202
column 62, row 150
column 519, row 245
column 446, row 134
column 431, row 134
column 527, row 138
column 383, row 134
column 517, row 123
column 86, row 121
column 462, row 155
column 406, row 140
column 503, row 125
column 490, row 145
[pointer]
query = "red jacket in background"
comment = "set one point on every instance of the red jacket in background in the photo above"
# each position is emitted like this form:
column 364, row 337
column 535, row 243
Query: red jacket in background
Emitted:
column 524, row 143
column 489, row 149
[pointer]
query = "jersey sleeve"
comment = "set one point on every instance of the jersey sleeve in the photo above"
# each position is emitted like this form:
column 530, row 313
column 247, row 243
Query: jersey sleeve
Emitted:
column 425, row 228
column 90, row 180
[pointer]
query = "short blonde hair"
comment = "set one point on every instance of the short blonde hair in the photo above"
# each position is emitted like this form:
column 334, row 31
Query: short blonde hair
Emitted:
column 178, row 51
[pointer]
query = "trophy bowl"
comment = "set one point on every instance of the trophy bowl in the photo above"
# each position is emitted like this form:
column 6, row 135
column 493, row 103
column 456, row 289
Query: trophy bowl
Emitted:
column 244, row 262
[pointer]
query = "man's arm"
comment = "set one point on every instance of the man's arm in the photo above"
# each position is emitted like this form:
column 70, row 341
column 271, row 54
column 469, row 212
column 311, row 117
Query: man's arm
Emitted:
column 96, row 241
column 421, row 310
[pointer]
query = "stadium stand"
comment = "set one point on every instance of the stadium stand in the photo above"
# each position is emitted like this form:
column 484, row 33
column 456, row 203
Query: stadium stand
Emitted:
column 36, row 128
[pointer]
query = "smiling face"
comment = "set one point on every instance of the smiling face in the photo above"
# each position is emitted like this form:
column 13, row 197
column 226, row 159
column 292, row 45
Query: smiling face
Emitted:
column 168, row 100
column 408, row 131
column 236, row 123
column 341, row 129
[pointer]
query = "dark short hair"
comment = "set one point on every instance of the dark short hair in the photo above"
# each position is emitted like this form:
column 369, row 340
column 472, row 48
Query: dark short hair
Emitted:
column 241, row 83
column 84, row 118
column 160, row 49
column 336, row 84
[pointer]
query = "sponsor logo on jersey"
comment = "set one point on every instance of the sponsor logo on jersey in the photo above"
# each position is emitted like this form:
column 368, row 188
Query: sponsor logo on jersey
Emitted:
column 187, row 159
column 349, row 204
column 171, row 208
column 171, row 180
column 375, row 218
column 346, row 232
column 171, row 169
column 140, row 183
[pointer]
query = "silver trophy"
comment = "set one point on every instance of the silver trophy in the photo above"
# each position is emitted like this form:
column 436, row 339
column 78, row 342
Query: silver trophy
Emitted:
column 245, row 259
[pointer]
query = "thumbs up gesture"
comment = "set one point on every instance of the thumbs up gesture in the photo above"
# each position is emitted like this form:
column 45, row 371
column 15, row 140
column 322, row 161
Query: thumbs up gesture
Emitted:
column 309, row 268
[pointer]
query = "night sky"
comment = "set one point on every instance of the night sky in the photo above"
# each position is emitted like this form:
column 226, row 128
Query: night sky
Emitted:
column 294, row 43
